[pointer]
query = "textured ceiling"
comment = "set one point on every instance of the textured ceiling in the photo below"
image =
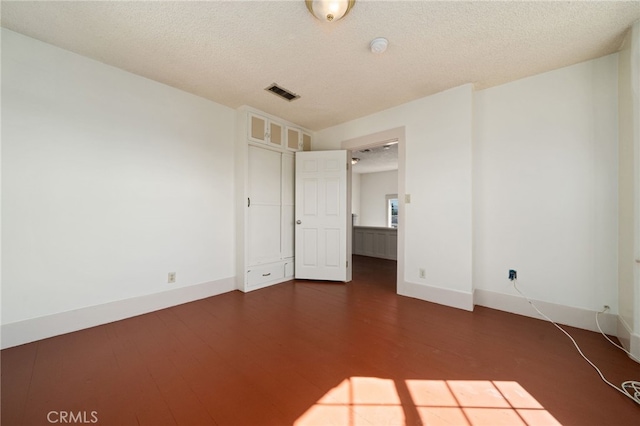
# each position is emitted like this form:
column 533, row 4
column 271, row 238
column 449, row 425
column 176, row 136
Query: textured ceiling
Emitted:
column 229, row 51
column 376, row 159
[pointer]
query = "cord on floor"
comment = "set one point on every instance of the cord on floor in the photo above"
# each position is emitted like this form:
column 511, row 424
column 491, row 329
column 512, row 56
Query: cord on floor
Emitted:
column 630, row 389
column 607, row 337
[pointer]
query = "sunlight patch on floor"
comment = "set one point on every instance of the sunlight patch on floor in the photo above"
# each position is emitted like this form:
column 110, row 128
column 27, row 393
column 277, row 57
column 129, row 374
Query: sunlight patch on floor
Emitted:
column 371, row 400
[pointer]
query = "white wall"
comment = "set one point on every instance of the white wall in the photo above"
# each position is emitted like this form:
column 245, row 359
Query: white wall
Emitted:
column 374, row 188
column 629, row 190
column 437, row 176
column 545, row 185
column 110, row 181
column 544, row 191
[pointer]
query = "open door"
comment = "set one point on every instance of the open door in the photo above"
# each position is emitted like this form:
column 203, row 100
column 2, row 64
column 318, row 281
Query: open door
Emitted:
column 323, row 216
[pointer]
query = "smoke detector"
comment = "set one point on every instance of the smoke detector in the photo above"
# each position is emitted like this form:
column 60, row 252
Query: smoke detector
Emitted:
column 378, row 45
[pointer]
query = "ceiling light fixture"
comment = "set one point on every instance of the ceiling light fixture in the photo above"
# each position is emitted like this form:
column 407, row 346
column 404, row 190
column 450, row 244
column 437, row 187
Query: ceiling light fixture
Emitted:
column 329, row 10
column 354, row 160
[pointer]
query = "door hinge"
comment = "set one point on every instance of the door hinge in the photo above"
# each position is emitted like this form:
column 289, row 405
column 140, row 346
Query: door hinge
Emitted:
column 347, row 263
column 248, row 202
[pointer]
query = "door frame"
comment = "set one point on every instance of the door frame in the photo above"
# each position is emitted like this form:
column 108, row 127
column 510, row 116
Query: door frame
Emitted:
column 378, row 139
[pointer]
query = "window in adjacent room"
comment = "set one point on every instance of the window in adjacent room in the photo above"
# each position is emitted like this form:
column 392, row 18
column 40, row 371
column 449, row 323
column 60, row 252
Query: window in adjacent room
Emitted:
column 392, row 210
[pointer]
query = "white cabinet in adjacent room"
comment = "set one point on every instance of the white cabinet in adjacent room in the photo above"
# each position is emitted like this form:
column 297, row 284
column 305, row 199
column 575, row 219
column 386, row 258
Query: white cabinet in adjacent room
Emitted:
column 375, row 242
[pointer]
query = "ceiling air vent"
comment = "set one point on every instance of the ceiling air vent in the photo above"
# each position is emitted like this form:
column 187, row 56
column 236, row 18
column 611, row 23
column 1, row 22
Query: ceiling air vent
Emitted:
column 283, row 93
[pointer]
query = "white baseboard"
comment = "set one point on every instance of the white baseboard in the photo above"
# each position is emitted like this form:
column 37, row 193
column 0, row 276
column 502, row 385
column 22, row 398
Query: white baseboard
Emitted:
column 21, row 332
column 630, row 341
column 442, row 296
column 567, row 315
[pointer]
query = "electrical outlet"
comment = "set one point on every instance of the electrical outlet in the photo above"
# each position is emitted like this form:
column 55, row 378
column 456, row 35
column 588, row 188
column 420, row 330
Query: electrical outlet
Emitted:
column 171, row 278
column 422, row 273
column 513, row 275
column 605, row 308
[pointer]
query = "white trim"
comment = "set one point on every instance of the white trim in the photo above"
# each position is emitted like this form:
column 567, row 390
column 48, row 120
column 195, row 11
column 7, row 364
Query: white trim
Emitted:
column 573, row 317
column 635, row 347
column 443, row 296
column 624, row 333
column 630, row 341
column 21, row 332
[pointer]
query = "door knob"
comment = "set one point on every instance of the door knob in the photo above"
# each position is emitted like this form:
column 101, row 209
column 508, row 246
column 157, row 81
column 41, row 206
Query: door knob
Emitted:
column 298, row 222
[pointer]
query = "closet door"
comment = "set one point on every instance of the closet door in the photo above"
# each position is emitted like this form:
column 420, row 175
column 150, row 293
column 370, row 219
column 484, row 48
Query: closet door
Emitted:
column 264, row 221
column 288, row 205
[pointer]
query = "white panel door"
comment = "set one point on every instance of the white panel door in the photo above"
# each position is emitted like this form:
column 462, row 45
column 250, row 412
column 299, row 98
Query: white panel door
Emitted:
column 322, row 216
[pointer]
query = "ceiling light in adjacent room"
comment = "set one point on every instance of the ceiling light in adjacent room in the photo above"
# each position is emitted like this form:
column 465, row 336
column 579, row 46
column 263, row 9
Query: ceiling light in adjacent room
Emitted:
column 354, row 160
column 329, row 10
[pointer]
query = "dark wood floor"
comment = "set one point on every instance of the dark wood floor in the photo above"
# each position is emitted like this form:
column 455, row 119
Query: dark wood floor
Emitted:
column 318, row 353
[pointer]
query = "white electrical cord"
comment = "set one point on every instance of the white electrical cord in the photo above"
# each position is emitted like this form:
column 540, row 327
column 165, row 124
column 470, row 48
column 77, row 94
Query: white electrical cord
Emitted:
column 607, row 337
column 630, row 389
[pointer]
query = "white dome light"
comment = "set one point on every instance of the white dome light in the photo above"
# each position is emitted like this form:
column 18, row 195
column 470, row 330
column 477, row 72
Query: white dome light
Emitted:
column 329, row 10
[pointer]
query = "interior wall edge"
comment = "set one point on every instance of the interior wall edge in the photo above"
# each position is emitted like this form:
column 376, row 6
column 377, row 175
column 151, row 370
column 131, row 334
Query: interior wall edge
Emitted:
column 27, row 331
column 629, row 340
column 635, row 347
